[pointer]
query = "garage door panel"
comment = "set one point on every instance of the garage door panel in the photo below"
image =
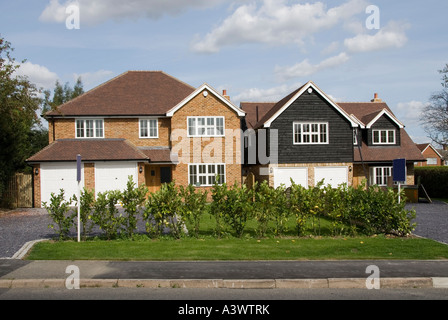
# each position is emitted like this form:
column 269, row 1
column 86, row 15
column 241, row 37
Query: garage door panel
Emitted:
column 57, row 176
column 113, row 175
column 333, row 176
column 284, row 176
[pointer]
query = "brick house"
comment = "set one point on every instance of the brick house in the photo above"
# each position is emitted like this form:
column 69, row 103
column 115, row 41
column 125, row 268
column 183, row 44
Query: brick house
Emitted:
column 144, row 124
column 310, row 137
column 432, row 156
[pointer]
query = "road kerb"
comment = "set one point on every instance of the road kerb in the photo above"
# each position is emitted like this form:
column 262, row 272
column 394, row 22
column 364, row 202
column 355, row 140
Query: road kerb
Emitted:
column 301, row 283
column 440, row 282
column 249, row 284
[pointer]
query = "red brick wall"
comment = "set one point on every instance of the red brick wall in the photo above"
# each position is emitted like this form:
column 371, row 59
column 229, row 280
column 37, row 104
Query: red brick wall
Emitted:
column 217, row 149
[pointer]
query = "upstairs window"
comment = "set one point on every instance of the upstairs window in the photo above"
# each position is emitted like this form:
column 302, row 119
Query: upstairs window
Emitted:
column 89, row 128
column 383, row 136
column 148, row 128
column 310, row 133
column 205, row 126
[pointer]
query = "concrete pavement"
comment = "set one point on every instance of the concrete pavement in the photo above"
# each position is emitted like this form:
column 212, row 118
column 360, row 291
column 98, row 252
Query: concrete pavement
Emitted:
column 16, row 273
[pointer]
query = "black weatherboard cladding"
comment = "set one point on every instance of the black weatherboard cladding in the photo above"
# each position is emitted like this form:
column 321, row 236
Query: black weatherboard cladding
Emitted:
column 384, row 122
column 314, row 108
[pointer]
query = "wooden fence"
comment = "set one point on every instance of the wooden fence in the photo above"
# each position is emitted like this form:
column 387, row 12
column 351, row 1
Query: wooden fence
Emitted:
column 20, row 190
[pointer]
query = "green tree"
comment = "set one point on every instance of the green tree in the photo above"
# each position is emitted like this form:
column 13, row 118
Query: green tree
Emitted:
column 19, row 102
column 61, row 94
column 435, row 121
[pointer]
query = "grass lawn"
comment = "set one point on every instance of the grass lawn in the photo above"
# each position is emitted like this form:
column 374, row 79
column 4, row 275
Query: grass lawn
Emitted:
column 209, row 248
column 249, row 247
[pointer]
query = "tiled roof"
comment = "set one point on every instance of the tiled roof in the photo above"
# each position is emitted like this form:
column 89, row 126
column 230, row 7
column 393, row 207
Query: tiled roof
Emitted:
column 366, row 112
column 252, row 108
column 131, row 93
column 406, row 150
column 90, row 150
column 159, row 154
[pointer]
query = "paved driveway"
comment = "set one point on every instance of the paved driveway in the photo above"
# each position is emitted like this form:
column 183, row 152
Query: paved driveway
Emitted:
column 432, row 220
column 22, row 225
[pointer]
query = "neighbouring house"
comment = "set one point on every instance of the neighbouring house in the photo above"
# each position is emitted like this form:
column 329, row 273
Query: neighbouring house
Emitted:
column 144, row 124
column 432, row 156
column 444, row 154
column 310, row 138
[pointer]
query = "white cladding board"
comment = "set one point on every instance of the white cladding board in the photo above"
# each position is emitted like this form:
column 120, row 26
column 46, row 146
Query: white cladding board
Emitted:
column 59, row 175
column 333, row 176
column 114, row 175
column 284, row 176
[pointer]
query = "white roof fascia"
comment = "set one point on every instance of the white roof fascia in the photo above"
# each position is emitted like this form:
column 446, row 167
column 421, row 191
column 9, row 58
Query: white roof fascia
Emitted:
column 310, row 84
column 205, row 86
column 379, row 115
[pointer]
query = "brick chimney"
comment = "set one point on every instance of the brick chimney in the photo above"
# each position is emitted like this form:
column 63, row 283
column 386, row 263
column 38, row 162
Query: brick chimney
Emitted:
column 224, row 93
column 375, row 98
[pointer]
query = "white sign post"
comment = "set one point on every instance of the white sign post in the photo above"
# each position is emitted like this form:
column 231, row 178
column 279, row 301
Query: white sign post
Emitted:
column 78, row 178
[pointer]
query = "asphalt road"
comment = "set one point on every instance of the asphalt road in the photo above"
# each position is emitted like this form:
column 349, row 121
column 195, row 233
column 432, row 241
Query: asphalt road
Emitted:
column 259, row 295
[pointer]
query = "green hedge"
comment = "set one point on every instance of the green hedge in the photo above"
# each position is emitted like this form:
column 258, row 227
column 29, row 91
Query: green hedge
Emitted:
column 434, row 179
column 351, row 211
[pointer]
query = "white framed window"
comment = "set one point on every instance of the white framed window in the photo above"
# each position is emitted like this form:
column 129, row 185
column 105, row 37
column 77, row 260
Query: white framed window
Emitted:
column 89, row 128
column 355, row 137
column 310, row 133
column 383, row 136
column 205, row 126
column 431, row 161
column 205, row 174
column 148, row 128
column 379, row 175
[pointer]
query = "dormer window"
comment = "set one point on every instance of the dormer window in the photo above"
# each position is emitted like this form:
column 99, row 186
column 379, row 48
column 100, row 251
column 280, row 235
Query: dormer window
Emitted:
column 89, row 128
column 383, row 136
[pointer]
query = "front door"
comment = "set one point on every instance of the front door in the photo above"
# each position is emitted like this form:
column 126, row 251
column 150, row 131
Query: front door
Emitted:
column 155, row 175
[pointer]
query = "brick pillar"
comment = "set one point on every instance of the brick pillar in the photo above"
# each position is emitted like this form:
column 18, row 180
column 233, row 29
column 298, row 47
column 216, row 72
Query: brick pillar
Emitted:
column 36, row 186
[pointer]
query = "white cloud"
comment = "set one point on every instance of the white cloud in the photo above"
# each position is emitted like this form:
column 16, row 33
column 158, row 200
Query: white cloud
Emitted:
column 266, row 95
column 92, row 79
column 275, row 22
column 37, row 74
column 410, row 113
column 391, row 36
column 94, row 12
column 305, row 68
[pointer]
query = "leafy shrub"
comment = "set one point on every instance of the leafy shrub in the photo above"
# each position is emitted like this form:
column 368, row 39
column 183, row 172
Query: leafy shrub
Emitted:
column 270, row 205
column 58, row 210
column 105, row 213
column 87, row 200
column 162, row 210
column 194, row 205
column 132, row 198
column 218, row 206
column 238, row 207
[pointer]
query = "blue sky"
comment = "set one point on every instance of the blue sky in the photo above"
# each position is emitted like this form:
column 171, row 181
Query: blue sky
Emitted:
column 258, row 50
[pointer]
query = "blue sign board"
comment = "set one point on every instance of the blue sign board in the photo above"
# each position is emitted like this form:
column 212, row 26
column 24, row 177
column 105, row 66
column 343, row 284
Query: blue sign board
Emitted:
column 399, row 170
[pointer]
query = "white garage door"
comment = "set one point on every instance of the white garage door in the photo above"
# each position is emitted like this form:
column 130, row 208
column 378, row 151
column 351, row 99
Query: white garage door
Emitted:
column 56, row 176
column 333, row 176
column 113, row 175
column 284, row 176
